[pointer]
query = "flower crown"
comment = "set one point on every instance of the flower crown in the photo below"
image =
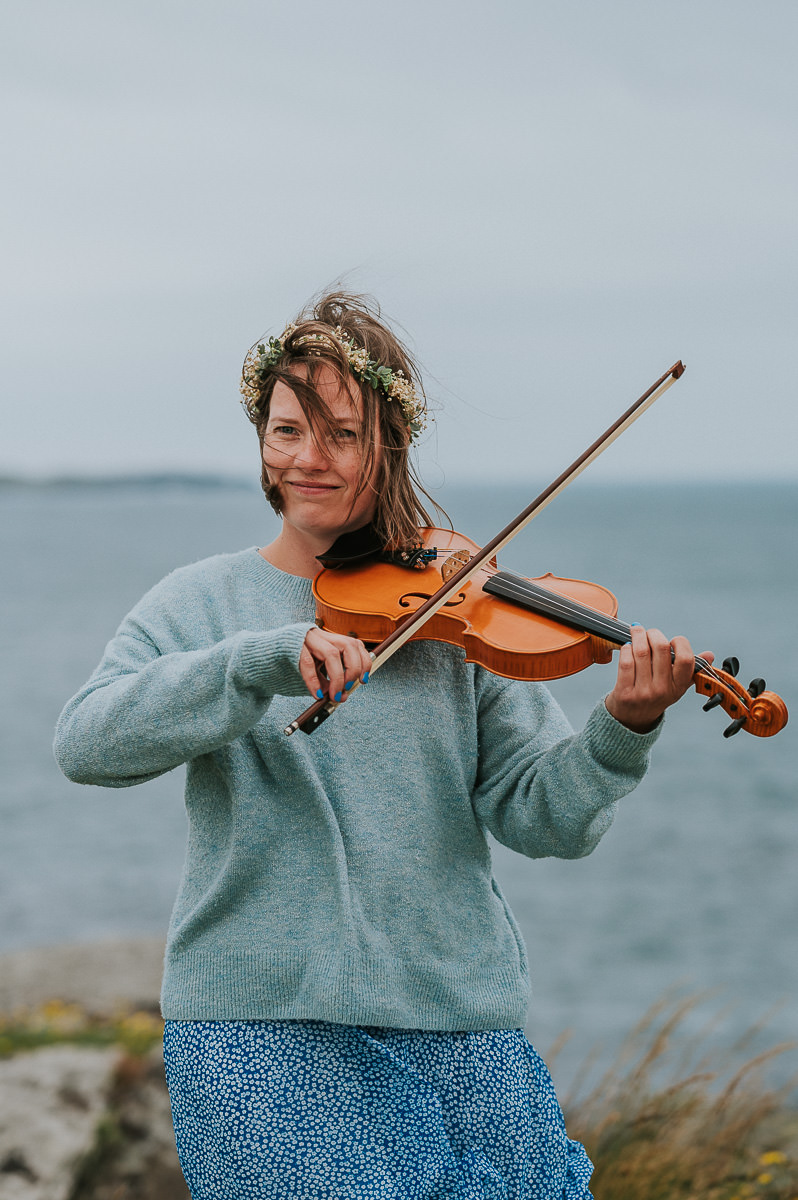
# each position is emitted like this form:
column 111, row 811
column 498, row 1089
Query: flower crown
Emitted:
column 394, row 385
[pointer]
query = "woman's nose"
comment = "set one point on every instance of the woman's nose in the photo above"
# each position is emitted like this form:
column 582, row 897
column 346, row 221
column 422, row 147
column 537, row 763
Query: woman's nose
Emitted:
column 313, row 453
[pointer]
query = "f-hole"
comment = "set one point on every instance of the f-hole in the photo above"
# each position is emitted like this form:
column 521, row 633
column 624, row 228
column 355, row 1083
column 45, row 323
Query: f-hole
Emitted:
column 406, row 601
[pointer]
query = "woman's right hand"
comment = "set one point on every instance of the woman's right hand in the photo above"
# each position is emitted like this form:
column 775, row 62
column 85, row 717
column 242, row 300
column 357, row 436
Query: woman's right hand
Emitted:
column 331, row 663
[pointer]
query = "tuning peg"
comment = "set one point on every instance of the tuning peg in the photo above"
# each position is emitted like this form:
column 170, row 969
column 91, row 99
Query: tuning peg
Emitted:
column 731, row 665
column 735, row 727
column 713, row 701
column 756, row 687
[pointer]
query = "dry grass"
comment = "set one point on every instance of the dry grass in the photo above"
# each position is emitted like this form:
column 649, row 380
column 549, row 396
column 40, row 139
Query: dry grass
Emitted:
column 668, row 1121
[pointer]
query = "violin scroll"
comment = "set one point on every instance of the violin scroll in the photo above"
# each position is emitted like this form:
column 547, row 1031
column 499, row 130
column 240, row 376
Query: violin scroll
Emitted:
column 754, row 709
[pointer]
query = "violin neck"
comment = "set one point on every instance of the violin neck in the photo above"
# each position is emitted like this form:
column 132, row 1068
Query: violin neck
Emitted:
column 535, row 598
column 566, row 611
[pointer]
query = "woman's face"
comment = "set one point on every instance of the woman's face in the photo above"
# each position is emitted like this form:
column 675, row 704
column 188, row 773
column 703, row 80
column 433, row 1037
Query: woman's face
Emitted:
column 315, row 472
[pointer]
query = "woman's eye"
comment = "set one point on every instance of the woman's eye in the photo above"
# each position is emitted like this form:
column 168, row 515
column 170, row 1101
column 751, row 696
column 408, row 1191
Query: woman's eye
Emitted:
column 284, row 430
column 345, row 435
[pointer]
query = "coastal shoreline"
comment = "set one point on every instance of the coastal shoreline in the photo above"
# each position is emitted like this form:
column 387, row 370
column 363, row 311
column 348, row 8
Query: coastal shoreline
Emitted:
column 99, row 976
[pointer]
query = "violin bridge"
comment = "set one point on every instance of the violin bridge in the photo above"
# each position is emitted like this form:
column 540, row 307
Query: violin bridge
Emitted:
column 454, row 563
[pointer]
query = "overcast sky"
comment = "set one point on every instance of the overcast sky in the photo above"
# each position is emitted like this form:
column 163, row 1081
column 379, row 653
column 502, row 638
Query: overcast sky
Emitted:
column 556, row 201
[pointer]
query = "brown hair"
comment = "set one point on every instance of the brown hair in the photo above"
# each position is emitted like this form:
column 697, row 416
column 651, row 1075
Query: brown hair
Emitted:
column 399, row 512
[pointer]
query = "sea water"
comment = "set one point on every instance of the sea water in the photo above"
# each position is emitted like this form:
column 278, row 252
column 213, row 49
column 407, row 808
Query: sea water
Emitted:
column 693, row 888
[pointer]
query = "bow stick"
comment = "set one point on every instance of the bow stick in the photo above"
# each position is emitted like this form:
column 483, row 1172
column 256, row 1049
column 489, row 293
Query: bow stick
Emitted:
column 313, row 716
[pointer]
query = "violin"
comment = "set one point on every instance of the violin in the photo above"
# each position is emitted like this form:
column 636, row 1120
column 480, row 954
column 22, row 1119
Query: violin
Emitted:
column 533, row 629
column 543, row 628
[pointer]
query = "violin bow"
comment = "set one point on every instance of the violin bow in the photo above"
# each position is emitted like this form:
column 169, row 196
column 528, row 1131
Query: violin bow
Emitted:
column 320, row 710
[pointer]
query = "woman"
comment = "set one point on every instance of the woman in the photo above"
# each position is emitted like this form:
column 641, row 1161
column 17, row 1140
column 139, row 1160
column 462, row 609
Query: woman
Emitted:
column 344, row 986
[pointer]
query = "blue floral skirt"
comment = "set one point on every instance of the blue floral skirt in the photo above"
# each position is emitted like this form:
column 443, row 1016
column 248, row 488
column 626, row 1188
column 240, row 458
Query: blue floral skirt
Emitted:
column 306, row 1110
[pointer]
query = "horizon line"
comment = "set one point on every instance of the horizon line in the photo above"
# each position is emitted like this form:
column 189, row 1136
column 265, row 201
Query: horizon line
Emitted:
column 155, row 477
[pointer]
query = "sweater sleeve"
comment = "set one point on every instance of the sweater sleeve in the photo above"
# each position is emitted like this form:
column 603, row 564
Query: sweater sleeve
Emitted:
column 541, row 789
column 145, row 711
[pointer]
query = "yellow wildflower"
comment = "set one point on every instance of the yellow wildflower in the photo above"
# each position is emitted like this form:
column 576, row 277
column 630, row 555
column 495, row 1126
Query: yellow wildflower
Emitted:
column 138, row 1031
column 772, row 1158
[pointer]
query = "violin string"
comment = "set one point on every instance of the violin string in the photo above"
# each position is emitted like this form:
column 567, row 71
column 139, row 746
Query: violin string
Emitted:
column 525, row 590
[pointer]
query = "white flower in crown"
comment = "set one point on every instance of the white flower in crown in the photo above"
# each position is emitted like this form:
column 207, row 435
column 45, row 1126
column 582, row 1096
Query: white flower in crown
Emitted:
column 394, row 385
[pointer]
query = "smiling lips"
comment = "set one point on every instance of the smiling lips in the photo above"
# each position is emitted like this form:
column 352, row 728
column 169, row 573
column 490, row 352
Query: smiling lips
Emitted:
column 306, row 488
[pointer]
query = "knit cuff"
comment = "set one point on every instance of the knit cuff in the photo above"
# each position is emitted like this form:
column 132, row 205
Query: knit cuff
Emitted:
column 613, row 745
column 269, row 662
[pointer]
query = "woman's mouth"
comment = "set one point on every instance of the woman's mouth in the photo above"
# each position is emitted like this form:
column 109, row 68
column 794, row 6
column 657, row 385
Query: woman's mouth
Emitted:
column 303, row 487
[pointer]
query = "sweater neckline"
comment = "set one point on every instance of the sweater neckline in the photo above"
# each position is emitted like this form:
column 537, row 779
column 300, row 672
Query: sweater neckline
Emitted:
column 291, row 587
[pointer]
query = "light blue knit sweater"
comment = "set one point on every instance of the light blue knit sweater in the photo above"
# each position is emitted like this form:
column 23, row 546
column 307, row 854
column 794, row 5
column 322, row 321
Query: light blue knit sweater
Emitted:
column 343, row 876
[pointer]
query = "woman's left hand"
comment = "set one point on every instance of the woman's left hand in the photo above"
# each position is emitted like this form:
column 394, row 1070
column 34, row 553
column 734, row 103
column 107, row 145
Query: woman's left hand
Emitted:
column 650, row 678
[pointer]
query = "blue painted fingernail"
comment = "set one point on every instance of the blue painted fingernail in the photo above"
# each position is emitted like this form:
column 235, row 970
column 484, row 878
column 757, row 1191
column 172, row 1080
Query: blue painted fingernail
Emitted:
column 350, row 685
column 636, row 623
column 319, row 694
column 337, row 697
column 366, row 677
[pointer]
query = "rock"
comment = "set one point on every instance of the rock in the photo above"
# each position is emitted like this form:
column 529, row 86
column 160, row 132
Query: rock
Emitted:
column 140, row 1161
column 78, row 1122
column 51, row 1103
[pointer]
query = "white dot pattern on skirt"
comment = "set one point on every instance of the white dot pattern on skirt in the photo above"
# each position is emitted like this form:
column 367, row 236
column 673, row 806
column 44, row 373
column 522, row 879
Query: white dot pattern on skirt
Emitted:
column 306, row 1110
